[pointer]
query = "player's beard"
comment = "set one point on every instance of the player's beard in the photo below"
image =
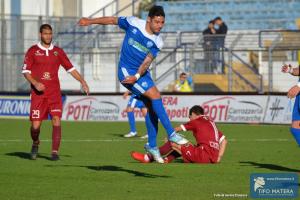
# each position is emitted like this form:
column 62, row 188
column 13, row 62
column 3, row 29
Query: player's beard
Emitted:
column 46, row 42
column 155, row 30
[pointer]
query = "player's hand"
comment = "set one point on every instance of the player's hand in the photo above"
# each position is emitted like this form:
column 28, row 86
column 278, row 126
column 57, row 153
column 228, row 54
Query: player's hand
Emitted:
column 84, row 22
column 219, row 159
column 286, row 68
column 85, row 87
column 125, row 95
column 293, row 91
column 39, row 86
column 129, row 80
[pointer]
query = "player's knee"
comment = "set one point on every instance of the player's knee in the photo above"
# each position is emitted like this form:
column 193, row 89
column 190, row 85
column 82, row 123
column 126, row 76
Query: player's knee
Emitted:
column 144, row 111
column 35, row 128
column 153, row 93
column 129, row 109
column 56, row 121
column 36, row 125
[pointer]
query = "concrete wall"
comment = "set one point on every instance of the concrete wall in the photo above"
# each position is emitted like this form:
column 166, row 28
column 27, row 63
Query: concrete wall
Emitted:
column 56, row 7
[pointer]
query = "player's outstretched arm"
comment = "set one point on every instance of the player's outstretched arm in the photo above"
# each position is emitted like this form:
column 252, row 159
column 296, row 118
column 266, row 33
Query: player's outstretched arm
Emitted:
column 79, row 78
column 289, row 69
column 39, row 86
column 222, row 149
column 101, row 20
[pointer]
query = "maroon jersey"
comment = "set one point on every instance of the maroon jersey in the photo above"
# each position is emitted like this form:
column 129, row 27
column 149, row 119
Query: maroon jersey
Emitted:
column 206, row 134
column 43, row 64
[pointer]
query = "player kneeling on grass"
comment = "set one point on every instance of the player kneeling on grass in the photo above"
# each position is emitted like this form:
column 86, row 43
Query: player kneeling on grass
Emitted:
column 210, row 147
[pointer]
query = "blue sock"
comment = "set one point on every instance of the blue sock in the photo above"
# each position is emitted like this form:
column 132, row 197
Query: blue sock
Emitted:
column 151, row 129
column 131, row 121
column 160, row 111
column 296, row 133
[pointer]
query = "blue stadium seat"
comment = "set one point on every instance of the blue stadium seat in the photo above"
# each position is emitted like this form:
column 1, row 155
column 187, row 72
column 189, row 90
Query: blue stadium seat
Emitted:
column 239, row 15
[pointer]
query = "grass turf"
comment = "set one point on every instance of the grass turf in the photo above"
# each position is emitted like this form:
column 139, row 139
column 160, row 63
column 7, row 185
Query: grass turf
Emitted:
column 95, row 163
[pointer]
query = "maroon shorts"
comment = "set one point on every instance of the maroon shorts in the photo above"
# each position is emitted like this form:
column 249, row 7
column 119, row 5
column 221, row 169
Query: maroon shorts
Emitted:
column 194, row 154
column 42, row 106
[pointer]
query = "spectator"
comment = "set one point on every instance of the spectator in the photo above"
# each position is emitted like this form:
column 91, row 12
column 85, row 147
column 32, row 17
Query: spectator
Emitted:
column 209, row 46
column 184, row 84
column 221, row 31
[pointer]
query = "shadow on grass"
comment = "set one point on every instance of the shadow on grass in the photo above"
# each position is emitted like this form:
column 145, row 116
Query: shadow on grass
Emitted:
column 269, row 166
column 121, row 169
column 119, row 135
column 25, row 155
column 113, row 168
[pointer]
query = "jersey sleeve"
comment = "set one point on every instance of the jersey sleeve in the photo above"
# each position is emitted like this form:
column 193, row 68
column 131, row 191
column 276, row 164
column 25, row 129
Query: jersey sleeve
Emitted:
column 155, row 49
column 28, row 62
column 123, row 22
column 189, row 126
column 65, row 62
column 221, row 137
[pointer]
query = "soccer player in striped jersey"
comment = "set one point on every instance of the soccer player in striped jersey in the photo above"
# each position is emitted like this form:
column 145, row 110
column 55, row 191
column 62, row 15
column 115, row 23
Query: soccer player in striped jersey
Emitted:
column 141, row 45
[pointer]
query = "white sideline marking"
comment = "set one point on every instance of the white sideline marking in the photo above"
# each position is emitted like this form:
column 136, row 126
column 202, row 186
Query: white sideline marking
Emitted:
column 139, row 140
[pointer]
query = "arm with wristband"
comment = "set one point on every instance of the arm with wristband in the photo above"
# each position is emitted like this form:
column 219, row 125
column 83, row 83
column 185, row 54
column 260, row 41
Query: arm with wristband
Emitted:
column 142, row 69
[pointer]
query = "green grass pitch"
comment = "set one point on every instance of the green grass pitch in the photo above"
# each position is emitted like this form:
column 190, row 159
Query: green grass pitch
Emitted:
column 96, row 164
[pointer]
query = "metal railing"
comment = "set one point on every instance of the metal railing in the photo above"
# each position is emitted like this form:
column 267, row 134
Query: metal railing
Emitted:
column 92, row 31
column 274, row 41
column 183, row 51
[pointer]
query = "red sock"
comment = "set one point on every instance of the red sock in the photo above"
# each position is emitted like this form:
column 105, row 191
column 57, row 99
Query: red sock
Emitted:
column 35, row 135
column 165, row 149
column 56, row 137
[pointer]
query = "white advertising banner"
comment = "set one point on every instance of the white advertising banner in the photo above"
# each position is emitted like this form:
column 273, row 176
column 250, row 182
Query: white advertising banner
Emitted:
column 273, row 109
column 227, row 108
column 235, row 109
column 279, row 110
column 93, row 108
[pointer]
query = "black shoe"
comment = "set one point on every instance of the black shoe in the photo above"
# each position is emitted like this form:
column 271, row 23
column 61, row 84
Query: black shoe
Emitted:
column 54, row 157
column 34, row 152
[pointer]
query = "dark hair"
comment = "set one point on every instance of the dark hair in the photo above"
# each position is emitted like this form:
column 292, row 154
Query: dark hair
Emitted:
column 45, row 27
column 182, row 74
column 211, row 22
column 156, row 11
column 217, row 18
column 198, row 110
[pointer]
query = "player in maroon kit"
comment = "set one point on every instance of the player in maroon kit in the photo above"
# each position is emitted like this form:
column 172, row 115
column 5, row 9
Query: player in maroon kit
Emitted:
column 210, row 147
column 41, row 65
